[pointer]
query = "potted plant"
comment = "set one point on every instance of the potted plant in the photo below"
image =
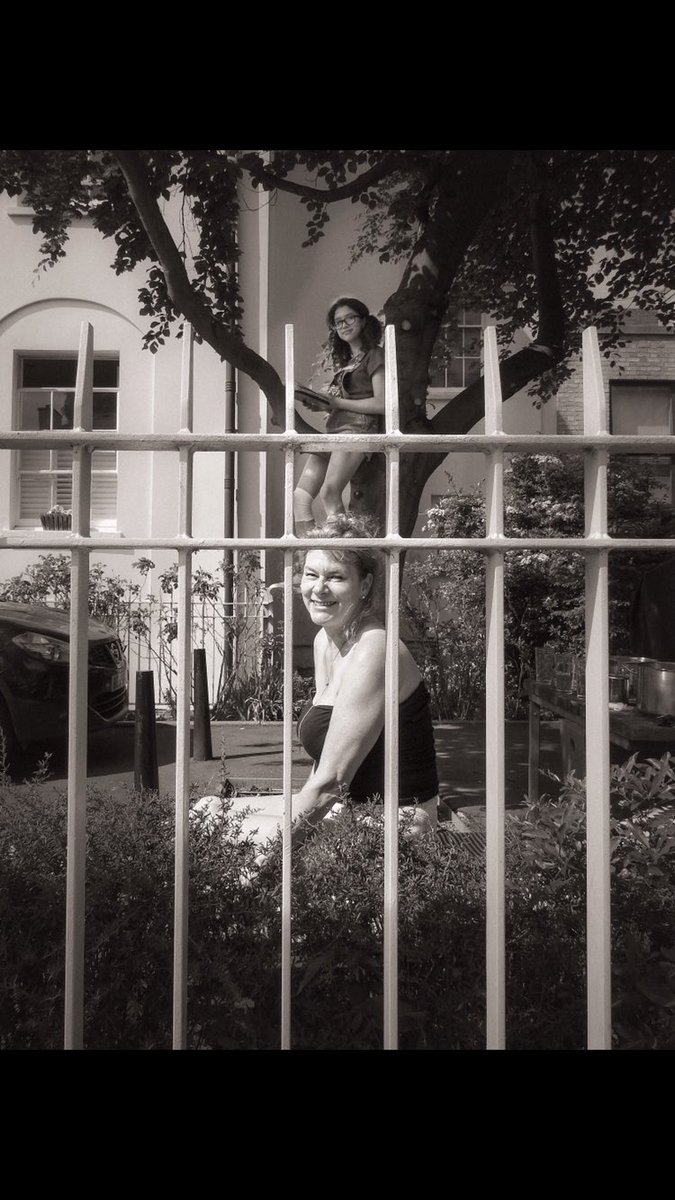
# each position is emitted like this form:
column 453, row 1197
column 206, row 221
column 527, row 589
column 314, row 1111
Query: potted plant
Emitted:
column 56, row 518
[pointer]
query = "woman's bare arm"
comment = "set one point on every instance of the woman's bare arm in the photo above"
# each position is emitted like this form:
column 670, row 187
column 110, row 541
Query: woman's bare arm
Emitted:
column 355, row 725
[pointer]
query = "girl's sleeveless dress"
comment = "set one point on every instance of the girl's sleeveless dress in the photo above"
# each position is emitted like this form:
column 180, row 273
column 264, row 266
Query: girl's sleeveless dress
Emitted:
column 355, row 384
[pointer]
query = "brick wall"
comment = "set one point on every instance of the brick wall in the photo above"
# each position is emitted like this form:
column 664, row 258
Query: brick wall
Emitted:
column 649, row 354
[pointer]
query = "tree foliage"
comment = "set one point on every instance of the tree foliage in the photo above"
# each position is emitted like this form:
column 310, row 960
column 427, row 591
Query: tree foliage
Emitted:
column 547, row 240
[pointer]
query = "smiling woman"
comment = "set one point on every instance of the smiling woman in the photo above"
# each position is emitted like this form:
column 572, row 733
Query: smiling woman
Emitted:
column 342, row 728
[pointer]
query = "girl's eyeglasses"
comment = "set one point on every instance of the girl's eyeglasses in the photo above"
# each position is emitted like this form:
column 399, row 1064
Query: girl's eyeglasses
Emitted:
column 344, row 322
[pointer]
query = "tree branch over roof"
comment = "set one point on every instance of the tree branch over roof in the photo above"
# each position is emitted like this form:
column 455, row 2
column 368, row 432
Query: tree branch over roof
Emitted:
column 263, row 174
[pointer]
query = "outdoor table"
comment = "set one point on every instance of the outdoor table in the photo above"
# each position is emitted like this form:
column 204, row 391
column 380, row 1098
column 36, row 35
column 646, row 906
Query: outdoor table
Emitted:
column 636, row 732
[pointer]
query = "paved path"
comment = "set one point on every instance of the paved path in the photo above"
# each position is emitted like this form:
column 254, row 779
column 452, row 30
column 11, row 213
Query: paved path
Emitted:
column 254, row 759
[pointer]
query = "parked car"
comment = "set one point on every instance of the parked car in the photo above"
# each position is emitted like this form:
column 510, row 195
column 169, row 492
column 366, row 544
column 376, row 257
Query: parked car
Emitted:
column 34, row 658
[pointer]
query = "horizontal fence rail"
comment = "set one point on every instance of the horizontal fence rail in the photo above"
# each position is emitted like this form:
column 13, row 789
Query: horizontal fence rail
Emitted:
column 592, row 542
column 411, row 443
column 596, row 444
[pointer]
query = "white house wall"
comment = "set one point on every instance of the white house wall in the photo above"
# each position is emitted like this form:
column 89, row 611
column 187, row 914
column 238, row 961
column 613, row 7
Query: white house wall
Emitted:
column 43, row 312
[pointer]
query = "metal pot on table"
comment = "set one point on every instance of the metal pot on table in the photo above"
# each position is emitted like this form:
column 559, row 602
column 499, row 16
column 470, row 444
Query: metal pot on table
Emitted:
column 656, row 692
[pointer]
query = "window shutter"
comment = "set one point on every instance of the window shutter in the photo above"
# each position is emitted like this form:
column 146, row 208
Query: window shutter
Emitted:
column 34, row 496
column 103, row 499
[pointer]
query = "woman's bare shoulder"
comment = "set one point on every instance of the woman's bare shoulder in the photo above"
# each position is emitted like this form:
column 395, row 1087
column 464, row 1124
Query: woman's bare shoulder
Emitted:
column 371, row 633
column 372, row 644
column 369, row 646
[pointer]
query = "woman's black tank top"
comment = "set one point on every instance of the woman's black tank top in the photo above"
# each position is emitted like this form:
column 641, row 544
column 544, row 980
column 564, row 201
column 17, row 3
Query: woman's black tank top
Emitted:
column 418, row 778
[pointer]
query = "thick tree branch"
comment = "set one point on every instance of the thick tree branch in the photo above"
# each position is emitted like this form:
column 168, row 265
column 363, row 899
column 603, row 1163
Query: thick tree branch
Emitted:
column 355, row 187
column 467, row 189
column 462, row 413
column 549, row 297
column 188, row 302
column 465, row 410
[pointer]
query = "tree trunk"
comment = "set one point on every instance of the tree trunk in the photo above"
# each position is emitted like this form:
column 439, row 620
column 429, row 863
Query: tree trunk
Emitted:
column 416, row 310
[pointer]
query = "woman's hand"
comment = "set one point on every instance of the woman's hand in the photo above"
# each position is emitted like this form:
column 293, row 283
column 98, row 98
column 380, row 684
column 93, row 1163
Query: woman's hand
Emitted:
column 247, row 878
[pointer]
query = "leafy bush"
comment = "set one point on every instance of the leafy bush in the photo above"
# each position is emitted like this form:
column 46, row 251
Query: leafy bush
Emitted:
column 336, row 970
column 548, row 861
column 444, row 595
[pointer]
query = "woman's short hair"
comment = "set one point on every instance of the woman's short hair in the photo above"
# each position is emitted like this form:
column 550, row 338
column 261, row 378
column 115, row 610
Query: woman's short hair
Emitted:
column 368, row 560
column 371, row 333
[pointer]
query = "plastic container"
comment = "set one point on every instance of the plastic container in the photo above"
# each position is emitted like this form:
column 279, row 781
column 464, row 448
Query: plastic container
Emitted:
column 618, row 689
column 632, row 667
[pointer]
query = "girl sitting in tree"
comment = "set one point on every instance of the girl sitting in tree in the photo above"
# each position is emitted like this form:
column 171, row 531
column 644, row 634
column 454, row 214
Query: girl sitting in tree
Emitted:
column 356, row 398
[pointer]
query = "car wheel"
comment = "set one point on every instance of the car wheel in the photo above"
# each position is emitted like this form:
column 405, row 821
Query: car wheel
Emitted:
column 8, row 743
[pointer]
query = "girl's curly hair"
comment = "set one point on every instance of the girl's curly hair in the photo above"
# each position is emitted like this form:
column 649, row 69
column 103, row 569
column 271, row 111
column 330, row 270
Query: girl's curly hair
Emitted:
column 337, row 350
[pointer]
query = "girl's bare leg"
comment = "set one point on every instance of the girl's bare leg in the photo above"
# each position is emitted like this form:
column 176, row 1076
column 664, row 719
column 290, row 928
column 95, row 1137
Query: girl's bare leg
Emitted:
column 341, row 468
column 307, row 489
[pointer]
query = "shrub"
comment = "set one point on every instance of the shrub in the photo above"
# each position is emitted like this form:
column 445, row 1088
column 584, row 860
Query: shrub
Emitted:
column 129, row 925
column 337, row 964
column 543, row 589
column 548, row 865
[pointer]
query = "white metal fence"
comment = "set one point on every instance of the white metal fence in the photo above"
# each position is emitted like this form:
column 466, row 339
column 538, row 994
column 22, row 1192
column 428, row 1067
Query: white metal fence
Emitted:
column 596, row 443
column 147, row 634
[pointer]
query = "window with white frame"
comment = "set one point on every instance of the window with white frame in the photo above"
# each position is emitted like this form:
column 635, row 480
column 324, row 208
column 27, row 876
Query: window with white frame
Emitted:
column 647, row 407
column 44, row 477
column 456, row 360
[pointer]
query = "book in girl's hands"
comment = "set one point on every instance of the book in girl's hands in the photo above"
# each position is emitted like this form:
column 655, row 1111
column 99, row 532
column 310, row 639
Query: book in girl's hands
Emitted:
column 313, row 400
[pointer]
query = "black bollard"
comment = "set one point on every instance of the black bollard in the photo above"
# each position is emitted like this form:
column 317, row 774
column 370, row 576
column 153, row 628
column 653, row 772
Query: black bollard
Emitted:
column 146, row 773
column 202, row 751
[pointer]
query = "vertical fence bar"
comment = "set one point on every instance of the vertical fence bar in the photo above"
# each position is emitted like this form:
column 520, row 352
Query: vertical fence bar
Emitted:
column 391, row 705
column 77, row 703
column 286, row 876
column 494, row 709
column 598, row 910
column 183, row 681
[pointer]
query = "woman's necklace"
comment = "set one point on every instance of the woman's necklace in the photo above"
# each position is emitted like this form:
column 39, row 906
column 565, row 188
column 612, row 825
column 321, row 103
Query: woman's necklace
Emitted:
column 330, row 664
